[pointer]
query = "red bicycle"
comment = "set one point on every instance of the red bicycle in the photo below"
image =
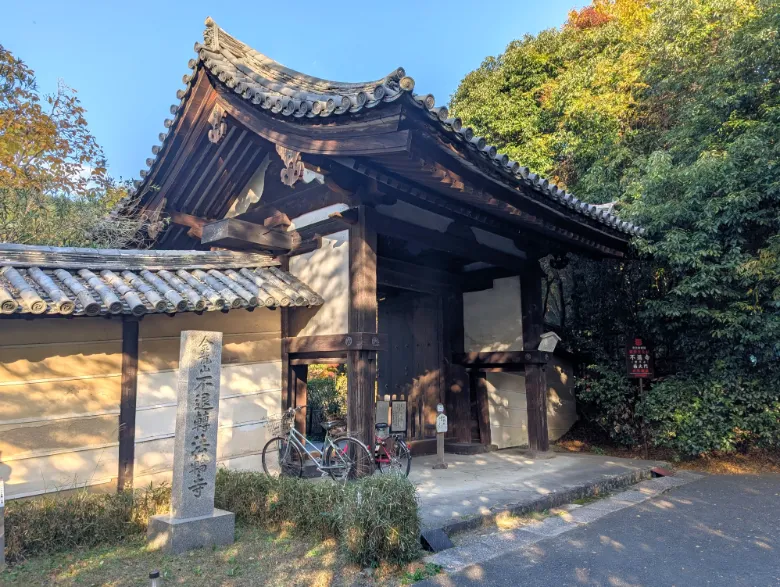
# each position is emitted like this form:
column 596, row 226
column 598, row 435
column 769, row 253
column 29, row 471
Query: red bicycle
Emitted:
column 391, row 453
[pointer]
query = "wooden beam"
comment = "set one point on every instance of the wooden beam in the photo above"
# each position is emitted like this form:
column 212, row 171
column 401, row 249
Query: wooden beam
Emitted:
column 336, row 358
column 478, row 383
column 127, row 403
column 234, row 233
column 327, row 343
column 195, row 223
column 378, row 139
column 362, row 317
column 535, row 374
column 501, row 358
column 441, row 241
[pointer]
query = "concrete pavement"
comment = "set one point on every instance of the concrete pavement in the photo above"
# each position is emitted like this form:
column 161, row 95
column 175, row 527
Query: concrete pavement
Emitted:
column 475, row 488
column 713, row 531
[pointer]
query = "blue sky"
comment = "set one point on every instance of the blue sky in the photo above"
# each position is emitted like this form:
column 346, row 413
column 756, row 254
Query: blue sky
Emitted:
column 126, row 59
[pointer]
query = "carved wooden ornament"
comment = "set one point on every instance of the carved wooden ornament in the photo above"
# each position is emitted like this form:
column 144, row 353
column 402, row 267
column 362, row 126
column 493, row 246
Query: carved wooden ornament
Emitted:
column 218, row 124
column 293, row 166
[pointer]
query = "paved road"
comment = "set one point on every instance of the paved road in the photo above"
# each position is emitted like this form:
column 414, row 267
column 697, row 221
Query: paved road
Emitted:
column 715, row 531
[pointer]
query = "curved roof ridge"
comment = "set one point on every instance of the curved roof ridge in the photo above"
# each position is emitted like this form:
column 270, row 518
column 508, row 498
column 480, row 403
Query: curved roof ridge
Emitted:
column 272, row 86
column 225, row 40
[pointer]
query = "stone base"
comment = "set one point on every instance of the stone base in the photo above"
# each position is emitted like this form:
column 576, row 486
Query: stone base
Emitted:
column 440, row 466
column 174, row 536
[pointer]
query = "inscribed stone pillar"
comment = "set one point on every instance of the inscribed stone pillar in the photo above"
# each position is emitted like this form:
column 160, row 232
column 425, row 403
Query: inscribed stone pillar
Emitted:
column 197, row 415
column 193, row 522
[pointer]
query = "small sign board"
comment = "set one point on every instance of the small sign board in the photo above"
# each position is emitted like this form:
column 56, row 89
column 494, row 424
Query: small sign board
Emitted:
column 639, row 361
column 440, row 408
column 441, row 423
column 398, row 417
column 382, row 416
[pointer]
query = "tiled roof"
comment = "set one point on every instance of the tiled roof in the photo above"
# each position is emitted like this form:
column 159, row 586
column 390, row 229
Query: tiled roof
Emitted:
column 285, row 92
column 93, row 282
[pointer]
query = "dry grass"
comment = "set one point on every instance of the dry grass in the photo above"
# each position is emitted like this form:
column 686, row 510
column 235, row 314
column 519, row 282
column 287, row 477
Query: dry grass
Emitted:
column 753, row 463
column 257, row 558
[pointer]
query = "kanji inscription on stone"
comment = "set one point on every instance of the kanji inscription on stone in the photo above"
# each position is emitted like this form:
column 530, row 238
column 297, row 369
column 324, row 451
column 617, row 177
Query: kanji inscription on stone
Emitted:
column 197, row 414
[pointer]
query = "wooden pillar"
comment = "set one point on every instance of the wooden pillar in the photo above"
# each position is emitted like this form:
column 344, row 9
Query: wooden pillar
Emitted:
column 288, row 398
column 127, row 402
column 478, row 382
column 456, row 379
column 299, row 391
column 535, row 375
column 361, row 364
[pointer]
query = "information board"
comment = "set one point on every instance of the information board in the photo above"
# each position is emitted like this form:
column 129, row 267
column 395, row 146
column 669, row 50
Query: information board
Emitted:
column 398, row 417
column 639, row 362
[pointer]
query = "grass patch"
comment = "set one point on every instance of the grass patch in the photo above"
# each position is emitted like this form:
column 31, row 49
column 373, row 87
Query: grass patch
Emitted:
column 420, row 572
column 258, row 557
column 373, row 520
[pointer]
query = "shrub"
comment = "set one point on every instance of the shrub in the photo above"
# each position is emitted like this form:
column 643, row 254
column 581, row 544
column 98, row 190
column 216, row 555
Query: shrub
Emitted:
column 723, row 413
column 374, row 519
column 74, row 519
column 608, row 399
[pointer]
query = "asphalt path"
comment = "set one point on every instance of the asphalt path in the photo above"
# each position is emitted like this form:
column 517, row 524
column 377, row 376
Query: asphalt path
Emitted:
column 720, row 530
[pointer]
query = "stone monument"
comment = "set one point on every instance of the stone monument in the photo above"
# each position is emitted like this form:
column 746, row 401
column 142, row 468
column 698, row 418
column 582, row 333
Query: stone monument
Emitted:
column 193, row 521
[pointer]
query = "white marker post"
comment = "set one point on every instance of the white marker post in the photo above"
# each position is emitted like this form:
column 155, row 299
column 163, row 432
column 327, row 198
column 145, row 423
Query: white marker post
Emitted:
column 441, row 428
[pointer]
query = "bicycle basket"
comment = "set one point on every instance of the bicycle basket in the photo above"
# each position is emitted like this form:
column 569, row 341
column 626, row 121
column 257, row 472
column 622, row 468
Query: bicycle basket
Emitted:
column 280, row 424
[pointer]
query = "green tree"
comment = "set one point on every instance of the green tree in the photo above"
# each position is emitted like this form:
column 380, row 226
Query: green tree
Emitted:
column 54, row 188
column 672, row 109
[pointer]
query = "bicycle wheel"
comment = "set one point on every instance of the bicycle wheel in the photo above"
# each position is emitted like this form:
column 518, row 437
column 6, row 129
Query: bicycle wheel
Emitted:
column 281, row 458
column 400, row 461
column 348, row 459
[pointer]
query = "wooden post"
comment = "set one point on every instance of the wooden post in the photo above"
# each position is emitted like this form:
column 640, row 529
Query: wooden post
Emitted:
column 361, row 364
column 456, row 380
column 128, row 395
column 478, row 382
column 299, row 389
column 288, row 398
column 535, row 375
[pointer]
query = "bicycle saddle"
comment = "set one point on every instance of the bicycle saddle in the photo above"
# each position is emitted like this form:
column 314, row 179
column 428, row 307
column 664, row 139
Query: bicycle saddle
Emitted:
column 332, row 424
column 381, row 426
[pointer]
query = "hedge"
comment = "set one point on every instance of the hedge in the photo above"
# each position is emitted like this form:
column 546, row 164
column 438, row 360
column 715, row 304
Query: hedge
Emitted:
column 374, row 519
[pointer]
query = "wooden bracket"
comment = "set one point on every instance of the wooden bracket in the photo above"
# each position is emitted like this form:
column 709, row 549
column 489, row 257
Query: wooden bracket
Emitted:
column 218, row 124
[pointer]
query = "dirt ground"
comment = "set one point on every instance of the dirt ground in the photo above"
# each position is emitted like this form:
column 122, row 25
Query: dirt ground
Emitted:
column 752, row 463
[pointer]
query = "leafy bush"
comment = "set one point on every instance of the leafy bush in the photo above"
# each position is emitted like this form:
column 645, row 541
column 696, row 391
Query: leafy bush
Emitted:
column 609, row 400
column 698, row 416
column 374, row 519
column 327, row 390
column 78, row 519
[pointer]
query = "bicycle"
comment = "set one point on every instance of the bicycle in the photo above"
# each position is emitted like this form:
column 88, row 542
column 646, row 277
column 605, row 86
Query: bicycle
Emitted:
column 391, row 454
column 283, row 455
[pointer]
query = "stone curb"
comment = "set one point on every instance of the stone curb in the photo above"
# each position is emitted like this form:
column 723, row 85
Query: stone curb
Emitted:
column 484, row 548
column 551, row 500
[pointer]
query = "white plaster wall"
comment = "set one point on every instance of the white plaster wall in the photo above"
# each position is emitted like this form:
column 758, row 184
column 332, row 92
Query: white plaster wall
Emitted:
column 492, row 318
column 326, row 271
column 492, row 321
column 508, row 415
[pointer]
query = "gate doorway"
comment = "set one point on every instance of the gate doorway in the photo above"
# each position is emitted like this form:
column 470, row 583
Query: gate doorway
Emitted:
column 412, row 365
